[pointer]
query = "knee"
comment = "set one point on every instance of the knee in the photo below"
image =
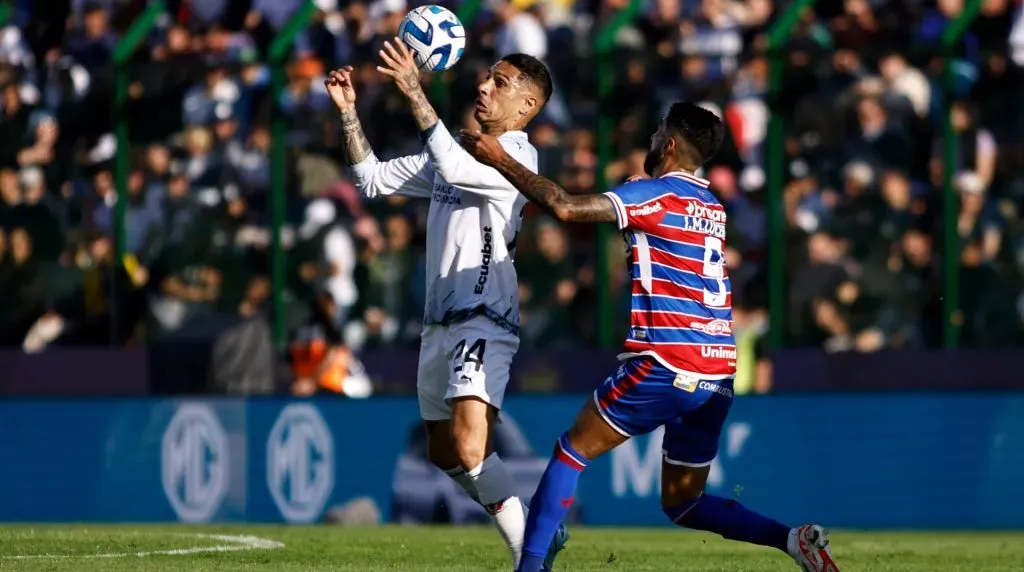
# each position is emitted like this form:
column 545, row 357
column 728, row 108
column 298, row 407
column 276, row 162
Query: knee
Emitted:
column 469, row 445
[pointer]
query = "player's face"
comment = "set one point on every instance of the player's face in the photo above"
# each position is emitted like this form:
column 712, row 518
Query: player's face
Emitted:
column 504, row 99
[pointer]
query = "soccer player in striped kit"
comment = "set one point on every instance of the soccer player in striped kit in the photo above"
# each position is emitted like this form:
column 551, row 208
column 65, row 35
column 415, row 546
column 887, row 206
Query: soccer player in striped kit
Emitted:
column 679, row 360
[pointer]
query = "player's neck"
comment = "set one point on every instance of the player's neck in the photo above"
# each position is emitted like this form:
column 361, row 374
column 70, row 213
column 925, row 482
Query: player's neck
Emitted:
column 494, row 130
column 674, row 168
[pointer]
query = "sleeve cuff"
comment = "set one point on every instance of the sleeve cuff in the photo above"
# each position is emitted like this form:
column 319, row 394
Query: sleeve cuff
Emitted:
column 425, row 135
column 438, row 140
column 620, row 210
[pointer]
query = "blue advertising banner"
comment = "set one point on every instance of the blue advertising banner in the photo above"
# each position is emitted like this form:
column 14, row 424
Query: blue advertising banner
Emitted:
column 914, row 461
column 177, row 367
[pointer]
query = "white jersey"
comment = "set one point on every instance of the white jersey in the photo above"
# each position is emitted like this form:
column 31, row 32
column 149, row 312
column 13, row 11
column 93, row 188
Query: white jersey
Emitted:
column 474, row 219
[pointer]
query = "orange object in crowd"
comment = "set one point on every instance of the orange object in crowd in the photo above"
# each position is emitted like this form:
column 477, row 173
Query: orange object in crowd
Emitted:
column 316, row 359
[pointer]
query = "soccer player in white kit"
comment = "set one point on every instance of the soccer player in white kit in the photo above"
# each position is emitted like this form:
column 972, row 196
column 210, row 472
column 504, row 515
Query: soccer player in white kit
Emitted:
column 471, row 319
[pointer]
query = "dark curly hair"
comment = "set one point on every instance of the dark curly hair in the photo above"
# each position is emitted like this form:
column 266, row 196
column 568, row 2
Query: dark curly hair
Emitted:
column 701, row 129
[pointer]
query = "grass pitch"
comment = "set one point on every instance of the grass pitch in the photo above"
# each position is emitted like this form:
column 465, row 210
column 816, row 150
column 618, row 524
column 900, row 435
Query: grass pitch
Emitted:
column 88, row 548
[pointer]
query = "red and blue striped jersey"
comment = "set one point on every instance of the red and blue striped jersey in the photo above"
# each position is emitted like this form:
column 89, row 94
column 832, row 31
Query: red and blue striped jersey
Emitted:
column 682, row 300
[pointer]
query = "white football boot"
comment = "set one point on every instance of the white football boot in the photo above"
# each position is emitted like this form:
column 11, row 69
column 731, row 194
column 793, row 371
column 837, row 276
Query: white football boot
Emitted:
column 808, row 545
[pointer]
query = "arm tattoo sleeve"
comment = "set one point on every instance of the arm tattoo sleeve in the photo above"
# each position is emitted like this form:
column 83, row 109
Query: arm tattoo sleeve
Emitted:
column 422, row 111
column 553, row 199
column 356, row 146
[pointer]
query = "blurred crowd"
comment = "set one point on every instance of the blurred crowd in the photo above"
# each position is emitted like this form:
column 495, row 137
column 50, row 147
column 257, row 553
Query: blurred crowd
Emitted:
column 862, row 92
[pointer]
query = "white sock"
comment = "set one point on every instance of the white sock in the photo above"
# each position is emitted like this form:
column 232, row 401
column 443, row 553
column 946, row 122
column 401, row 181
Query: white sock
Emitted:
column 494, row 491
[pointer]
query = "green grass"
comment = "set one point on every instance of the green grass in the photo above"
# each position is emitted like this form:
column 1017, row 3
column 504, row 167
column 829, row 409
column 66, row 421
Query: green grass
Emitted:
column 314, row 548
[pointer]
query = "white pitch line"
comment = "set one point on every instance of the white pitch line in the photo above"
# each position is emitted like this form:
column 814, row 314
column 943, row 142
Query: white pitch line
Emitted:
column 237, row 542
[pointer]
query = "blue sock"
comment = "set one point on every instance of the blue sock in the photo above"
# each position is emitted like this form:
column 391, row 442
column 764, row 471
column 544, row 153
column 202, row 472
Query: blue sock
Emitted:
column 730, row 519
column 551, row 503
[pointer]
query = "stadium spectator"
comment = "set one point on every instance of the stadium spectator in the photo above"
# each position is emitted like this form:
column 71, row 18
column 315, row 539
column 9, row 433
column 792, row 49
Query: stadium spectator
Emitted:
column 863, row 89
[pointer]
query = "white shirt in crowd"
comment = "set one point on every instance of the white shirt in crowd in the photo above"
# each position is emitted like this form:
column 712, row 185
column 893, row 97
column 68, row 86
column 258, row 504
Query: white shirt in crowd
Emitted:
column 522, row 34
column 338, row 250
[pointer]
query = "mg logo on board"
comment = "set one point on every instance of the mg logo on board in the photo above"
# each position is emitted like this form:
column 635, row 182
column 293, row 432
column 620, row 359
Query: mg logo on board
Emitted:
column 300, row 463
column 195, row 462
column 637, row 471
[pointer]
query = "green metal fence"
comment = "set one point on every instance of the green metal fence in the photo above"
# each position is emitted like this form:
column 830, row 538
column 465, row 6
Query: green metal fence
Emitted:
column 278, row 54
column 952, row 37
column 775, row 167
column 441, row 88
column 778, row 35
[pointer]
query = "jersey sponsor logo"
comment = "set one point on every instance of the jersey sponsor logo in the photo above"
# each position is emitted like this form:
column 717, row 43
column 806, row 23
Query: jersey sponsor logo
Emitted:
column 300, row 463
column 485, row 260
column 687, row 383
column 195, row 463
column 714, row 327
column 647, row 209
column 717, row 352
column 715, row 388
column 695, row 209
column 446, row 194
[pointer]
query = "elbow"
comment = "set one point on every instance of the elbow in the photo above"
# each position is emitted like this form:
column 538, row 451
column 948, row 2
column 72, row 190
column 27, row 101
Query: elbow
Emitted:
column 366, row 188
column 449, row 171
column 451, row 166
column 562, row 212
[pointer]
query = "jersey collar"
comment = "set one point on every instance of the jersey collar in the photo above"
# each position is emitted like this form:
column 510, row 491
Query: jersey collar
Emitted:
column 686, row 177
column 515, row 135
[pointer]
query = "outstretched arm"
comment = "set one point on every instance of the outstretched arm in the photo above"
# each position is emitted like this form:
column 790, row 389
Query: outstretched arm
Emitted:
column 450, row 160
column 542, row 191
column 355, row 146
column 401, row 67
column 407, row 176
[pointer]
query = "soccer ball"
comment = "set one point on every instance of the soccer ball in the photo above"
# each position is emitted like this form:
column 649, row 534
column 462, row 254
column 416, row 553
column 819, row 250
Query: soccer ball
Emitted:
column 435, row 35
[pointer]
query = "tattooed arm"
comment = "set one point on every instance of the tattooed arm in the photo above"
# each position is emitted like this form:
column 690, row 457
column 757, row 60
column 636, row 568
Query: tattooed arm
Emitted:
column 541, row 191
column 552, row 198
column 448, row 159
column 400, row 66
column 406, row 176
column 355, row 145
column 422, row 111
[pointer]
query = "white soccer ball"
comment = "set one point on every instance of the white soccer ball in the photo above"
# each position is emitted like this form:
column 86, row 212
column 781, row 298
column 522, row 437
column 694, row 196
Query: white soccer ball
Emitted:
column 435, row 35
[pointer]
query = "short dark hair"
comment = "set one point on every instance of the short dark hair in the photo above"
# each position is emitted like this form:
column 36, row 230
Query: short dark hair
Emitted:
column 533, row 70
column 701, row 129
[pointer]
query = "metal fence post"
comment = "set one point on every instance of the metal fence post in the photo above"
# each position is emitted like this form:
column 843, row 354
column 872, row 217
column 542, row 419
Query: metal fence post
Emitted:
column 775, row 167
column 278, row 53
column 951, row 37
column 604, row 45
column 123, row 51
column 440, row 89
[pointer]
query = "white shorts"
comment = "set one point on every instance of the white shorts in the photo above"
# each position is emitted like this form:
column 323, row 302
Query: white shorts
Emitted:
column 468, row 359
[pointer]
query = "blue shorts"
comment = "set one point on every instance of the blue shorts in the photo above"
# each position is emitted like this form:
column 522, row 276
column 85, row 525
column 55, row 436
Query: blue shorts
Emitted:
column 644, row 395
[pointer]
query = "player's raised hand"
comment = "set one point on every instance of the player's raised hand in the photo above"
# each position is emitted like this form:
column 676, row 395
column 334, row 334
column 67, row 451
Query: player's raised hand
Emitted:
column 400, row 65
column 339, row 87
column 483, row 147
